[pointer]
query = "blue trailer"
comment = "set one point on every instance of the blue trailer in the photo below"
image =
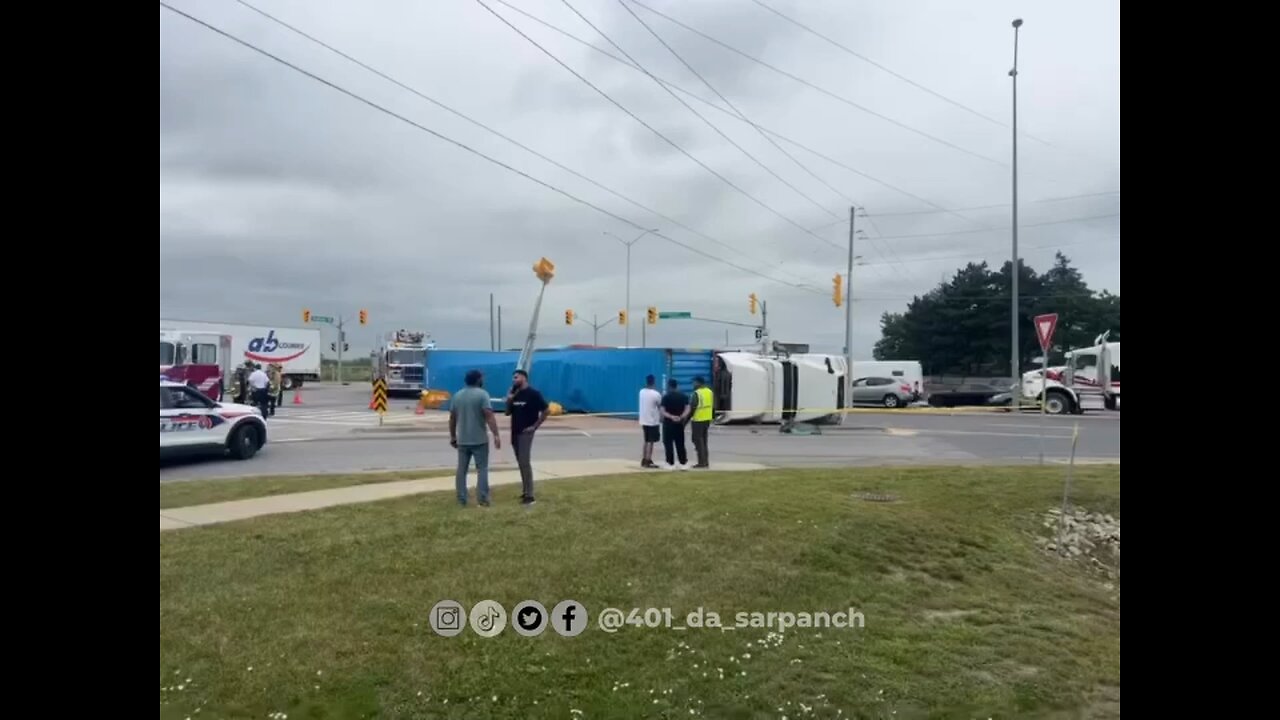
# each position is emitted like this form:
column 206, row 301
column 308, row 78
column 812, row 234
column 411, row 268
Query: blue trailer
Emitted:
column 582, row 380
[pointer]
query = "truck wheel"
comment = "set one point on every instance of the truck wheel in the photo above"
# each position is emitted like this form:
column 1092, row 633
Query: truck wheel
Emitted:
column 891, row 401
column 1109, row 402
column 288, row 383
column 1057, row 403
column 245, row 441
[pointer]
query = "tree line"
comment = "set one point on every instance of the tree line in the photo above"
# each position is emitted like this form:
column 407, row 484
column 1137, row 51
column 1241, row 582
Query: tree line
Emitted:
column 961, row 327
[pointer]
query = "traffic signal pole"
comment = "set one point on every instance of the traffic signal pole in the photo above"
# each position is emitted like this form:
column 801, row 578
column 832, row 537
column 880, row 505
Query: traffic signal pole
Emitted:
column 341, row 338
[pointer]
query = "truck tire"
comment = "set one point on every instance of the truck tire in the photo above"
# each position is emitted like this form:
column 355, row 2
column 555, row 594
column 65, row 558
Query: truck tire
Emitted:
column 1109, row 402
column 1057, row 402
column 288, row 382
column 891, row 401
column 245, row 441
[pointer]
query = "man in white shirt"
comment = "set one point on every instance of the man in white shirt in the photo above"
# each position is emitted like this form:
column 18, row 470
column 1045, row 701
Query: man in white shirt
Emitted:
column 259, row 381
column 650, row 419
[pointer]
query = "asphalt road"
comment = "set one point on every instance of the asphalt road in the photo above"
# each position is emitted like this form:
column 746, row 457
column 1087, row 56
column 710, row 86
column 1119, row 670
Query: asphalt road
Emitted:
column 332, row 431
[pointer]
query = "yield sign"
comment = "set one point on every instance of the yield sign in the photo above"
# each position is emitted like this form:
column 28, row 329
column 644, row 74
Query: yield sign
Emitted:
column 1045, row 325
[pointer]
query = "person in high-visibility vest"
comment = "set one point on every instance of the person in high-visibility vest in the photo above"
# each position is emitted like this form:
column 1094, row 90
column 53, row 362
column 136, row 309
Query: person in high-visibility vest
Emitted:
column 703, row 404
column 275, row 398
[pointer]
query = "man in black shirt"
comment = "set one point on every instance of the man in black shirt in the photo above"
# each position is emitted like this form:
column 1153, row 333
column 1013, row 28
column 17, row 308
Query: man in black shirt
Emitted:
column 528, row 410
column 675, row 411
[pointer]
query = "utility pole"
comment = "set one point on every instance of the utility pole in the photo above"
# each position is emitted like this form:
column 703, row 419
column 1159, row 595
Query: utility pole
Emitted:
column 499, row 327
column 764, row 327
column 1013, row 268
column 491, row 345
column 848, row 314
column 595, row 322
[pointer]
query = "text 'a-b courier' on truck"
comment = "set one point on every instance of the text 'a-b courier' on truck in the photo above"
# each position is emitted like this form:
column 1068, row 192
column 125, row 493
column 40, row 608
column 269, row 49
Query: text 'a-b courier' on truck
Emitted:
column 296, row 350
column 401, row 360
column 1091, row 374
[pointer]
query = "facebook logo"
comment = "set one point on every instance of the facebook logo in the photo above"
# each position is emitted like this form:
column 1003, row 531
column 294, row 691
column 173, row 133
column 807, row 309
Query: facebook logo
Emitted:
column 569, row 618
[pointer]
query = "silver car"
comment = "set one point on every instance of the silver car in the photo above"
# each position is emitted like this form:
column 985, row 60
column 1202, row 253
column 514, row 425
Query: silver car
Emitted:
column 883, row 391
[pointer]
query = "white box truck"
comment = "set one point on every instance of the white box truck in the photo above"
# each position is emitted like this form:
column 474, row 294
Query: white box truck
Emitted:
column 297, row 349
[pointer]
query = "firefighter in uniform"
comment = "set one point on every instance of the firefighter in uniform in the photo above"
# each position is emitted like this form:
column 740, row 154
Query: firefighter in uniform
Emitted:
column 276, row 372
column 241, row 389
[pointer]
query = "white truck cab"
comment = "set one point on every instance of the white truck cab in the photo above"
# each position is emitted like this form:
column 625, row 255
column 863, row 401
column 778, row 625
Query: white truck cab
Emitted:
column 1091, row 372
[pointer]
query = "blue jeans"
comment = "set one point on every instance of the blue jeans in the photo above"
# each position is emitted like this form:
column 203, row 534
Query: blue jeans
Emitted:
column 481, row 454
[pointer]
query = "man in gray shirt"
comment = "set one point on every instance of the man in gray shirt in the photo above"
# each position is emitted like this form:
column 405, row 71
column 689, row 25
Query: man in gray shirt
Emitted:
column 469, row 414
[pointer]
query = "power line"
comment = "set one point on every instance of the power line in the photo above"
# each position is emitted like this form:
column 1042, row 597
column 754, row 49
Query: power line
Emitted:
column 509, row 139
column 1002, row 229
column 735, row 109
column 823, row 90
column 649, row 127
column 879, row 236
column 895, row 74
column 970, row 255
column 789, row 140
column 973, row 207
column 469, row 149
column 701, row 117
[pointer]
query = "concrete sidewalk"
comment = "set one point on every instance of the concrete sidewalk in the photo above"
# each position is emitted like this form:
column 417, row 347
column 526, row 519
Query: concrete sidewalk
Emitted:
column 178, row 518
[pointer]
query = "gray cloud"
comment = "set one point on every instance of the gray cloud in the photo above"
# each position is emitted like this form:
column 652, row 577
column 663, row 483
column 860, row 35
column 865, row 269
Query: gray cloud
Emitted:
column 278, row 193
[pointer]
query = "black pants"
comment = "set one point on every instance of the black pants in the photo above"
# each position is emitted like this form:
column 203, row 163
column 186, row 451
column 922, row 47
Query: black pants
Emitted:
column 673, row 439
column 262, row 399
column 700, row 442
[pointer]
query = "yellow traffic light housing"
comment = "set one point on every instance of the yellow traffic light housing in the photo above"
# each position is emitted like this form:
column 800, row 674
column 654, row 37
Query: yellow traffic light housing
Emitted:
column 544, row 269
column 568, row 317
column 622, row 317
column 837, row 289
column 754, row 301
column 653, row 316
column 364, row 317
column 306, row 316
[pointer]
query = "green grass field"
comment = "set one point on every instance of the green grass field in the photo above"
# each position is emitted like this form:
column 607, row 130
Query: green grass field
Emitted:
column 199, row 492
column 325, row 614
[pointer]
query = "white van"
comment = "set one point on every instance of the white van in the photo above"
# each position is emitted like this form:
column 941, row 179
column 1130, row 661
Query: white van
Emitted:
column 908, row 371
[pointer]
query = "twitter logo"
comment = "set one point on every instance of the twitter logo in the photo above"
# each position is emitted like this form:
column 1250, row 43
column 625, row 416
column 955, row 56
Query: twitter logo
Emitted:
column 530, row 618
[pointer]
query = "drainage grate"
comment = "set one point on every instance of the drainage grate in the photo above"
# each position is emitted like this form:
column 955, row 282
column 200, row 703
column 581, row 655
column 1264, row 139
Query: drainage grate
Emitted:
column 876, row 497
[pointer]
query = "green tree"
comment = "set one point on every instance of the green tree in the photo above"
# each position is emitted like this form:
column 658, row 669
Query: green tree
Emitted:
column 962, row 326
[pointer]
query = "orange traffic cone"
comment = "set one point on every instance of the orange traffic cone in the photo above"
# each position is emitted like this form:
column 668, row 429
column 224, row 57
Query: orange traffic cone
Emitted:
column 297, row 397
column 372, row 403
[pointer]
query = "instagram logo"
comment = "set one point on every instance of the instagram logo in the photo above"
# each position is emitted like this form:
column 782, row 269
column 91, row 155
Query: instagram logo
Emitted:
column 447, row 618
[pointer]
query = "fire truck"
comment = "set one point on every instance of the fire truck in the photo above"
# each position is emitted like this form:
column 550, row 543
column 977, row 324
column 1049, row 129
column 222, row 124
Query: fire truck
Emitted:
column 401, row 359
column 202, row 360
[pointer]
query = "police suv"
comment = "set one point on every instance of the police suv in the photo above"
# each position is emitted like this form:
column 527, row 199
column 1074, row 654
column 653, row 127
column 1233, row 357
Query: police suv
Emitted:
column 191, row 423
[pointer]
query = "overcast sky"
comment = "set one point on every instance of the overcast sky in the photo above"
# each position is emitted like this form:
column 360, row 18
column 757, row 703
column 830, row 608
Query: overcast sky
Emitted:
column 278, row 193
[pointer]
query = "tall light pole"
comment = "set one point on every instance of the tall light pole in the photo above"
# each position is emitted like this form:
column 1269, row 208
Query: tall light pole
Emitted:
column 628, row 245
column 848, row 316
column 1013, row 318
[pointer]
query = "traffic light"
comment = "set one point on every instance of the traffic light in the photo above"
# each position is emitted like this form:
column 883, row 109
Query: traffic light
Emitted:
column 622, row 317
column 364, row 317
column 837, row 289
column 544, row 269
column 653, row 316
column 306, row 316
column 346, row 347
column 753, row 301
column 568, row 317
